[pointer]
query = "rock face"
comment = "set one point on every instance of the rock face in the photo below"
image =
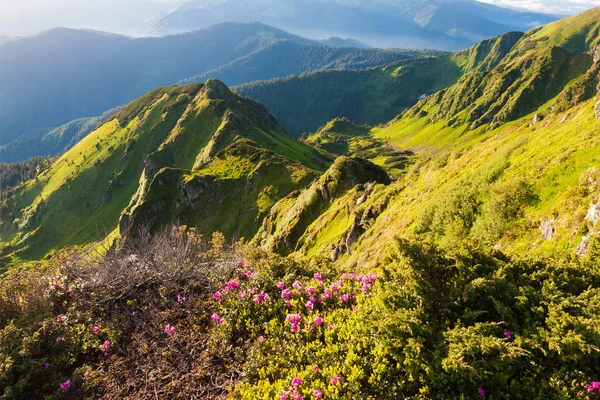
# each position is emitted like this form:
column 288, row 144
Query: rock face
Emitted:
column 582, row 247
column 593, row 214
column 547, row 229
column 596, row 53
column 597, row 110
column 288, row 220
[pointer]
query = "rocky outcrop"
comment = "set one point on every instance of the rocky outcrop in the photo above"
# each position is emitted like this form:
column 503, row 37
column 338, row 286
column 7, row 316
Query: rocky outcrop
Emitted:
column 593, row 214
column 547, row 229
column 582, row 248
column 597, row 110
column 595, row 52
column 290, row 218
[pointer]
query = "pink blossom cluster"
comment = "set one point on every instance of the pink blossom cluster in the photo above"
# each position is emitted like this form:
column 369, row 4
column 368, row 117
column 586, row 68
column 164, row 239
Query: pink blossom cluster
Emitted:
column 169, row 329
column 215, row 317
column 294, row 321
column 593, row 387
column 259, row 298
column 104, row 347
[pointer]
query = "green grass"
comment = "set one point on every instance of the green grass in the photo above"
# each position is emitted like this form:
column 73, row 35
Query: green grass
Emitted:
column 82, row 197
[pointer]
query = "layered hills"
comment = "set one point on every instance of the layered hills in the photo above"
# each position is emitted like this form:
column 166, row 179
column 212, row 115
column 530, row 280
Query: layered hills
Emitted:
column 504, row 157
column 463, row 163
column 84, row 73
column 153, row 161
column 448, row 25
column 374, row 95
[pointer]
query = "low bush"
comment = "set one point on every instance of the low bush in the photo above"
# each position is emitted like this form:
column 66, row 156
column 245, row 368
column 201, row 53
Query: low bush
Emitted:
column 173, row 316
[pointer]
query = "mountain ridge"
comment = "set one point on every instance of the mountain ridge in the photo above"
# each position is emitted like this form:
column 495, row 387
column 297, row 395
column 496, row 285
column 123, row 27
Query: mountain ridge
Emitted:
column 94, row 72
column 432, row 24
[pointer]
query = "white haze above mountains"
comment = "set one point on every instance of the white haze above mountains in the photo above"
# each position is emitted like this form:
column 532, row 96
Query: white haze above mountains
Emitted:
column 564, row 7
column 135, row 17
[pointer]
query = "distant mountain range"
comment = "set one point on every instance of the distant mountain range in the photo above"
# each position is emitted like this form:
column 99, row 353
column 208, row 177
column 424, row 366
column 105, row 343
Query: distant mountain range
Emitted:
column 513, row 113
column 373, row 96
column 440, row 24
column 65, row 74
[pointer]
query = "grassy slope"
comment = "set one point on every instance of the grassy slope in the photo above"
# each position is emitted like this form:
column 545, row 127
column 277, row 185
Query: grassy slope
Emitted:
column 374, row 96
column 459, row 162
column 80, row 199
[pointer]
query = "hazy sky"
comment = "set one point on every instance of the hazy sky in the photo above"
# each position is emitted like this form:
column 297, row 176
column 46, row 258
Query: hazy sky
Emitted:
column 548, row 6
column 23, row 17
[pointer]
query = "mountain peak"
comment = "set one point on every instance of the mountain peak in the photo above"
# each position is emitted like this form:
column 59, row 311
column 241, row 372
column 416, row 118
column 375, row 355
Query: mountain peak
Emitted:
column 215, row 89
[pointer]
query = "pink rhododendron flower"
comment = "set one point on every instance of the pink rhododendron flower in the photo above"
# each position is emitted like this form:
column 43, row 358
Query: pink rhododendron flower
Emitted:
column 508, row 335
column 318, row 276
column 239, row 264
column 297, row 285
column 217, row 296
column 369, row 278
column 317, row 394
column 481, row 392
column 261, row 338
column 330, row 327
column 65, row 385
column 215, row 317
column 365, row 287
column 309, row 305
column 293, row 318
column 335, row 379
column 315, row 368
column 59, row 339
column 233, row 284
column 288, row 304
column 294, row 327
column 593, row 387
column 104, row 346
column 328, row 294
column 46, row 365
column 259, row 298
column 169, row 329
column 296, row 382
column 335, row 287
column 280, row 285
column 283, row 395
column 224, row 288
column 286, row 293
column 96, row 329
column 179, row 298
column 318, row 321
column 345, row 297
column 310, row 290
column 62, row 318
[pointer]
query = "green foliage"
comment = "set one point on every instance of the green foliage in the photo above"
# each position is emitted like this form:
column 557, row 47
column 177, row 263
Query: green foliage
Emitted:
column 430, row 323
column 503, row 205
column 12, row 175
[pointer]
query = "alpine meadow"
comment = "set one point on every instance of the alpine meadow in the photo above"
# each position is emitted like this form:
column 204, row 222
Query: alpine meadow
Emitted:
column 239, row 212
